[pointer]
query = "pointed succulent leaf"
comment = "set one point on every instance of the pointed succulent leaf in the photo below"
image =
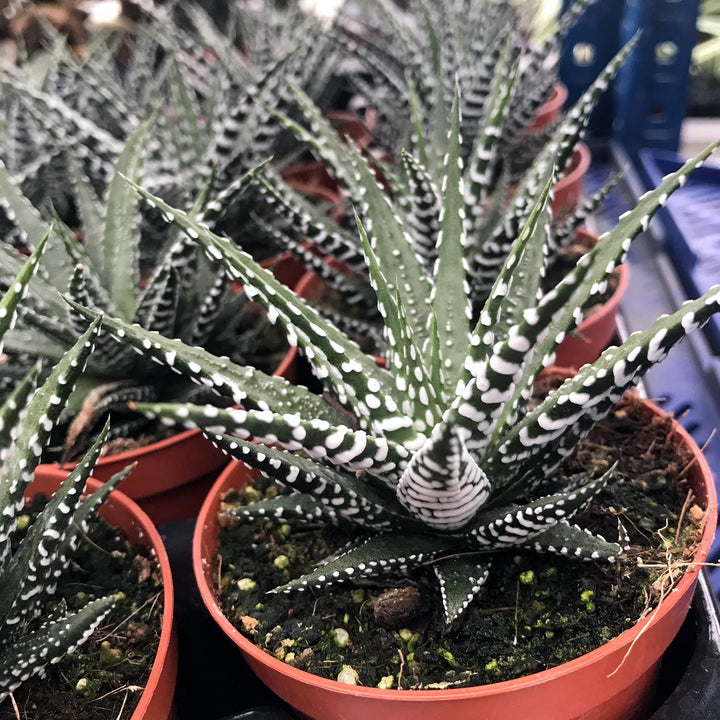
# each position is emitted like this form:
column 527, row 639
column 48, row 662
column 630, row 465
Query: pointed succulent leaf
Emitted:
column 566, row 231
column 460, row 580
column 310, row 225
column 12, row 410
column 574, row 541
column 337, row 444
column 478, row 176
column 185, row 130
column 42, row 414
column 241, row 384
column 450, row 291
column 18, row 288
column 508, row 526
column 89, row 507
column 341, row 494
column 422, row 210
column 30, row 654
column 121, row 237
column 404, row 356
column 551, row 431
column 31, row 575
column 378, row 556
column 158, row 306
column 92, row 215
column 506, row 329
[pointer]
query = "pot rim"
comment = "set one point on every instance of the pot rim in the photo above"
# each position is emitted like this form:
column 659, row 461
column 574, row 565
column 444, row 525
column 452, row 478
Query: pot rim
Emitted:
column 150, row 538
column 616, row 644
column 577, row 169
column 550, row 108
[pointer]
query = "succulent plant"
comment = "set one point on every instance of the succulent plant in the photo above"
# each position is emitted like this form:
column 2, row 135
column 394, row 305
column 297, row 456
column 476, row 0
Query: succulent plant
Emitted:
column 182, row 294
column 414, row 58
column 491, row 216
column 201, row 88
column 33, row 631
column 437, row 459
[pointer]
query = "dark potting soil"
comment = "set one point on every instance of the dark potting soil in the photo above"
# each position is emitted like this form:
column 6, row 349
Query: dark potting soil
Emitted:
column 104, row 678
column 534, row 612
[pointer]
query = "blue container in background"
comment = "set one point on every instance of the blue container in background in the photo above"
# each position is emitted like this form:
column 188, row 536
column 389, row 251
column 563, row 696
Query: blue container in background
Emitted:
column 646, row 105
column 652, row 88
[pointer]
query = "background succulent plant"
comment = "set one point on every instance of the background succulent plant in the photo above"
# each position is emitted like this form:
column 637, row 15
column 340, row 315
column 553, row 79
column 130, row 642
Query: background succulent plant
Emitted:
column 181, row 294
column 438, row 459
column 207, row 87
column 412, row 59
column 33, row 631
column 491, row 215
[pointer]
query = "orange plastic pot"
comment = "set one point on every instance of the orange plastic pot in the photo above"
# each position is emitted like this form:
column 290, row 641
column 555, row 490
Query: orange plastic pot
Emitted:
column 551, row 110
column 173, row 475
column 156, row 701
column 349, row 124
column 568, row 188
column 614, row 682
column 597, row 330
column 312, row 178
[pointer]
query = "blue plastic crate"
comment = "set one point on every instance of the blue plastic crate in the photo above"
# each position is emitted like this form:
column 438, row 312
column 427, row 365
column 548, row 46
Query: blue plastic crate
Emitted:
column 692, row 226
column 588, row 48
column 652, row 87
column 687, row 383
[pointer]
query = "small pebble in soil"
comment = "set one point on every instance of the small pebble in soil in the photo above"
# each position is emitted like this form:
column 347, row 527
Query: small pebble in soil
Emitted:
column 348, row 675
column 341, row 637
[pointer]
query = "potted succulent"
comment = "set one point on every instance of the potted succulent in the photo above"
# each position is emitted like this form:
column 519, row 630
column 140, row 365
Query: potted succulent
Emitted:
column 437, row 464
column 206, row 88
column 490, row 224
column 423, row 54
column 182, row 293
column 38, row 545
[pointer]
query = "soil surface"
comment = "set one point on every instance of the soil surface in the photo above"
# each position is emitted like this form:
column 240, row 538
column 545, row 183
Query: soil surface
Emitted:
column 534, row 612
column 104, row 678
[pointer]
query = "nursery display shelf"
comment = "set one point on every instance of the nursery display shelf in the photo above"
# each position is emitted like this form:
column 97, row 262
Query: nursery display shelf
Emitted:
column 688, row 381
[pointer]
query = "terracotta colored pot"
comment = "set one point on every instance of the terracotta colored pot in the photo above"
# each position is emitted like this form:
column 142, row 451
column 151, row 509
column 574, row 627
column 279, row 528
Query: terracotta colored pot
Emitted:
column 551, row 110
column 173, row 475
column 349, row 124
column 597, row 330
column 586, row 688
column 156, row 702
column 285, row 267
column 312, row 178
column 568, row 188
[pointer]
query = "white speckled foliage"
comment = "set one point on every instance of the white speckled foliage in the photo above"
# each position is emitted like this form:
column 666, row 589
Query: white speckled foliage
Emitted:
column 475, row 191
column 437, row 457
column 33, row 633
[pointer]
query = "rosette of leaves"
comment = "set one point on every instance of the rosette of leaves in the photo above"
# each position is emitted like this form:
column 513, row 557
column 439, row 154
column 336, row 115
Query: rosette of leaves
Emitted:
column 208, row 94
column 438, row 459
column 490, row 216
column 34, row 631
column 412, row 58
column 181, row 294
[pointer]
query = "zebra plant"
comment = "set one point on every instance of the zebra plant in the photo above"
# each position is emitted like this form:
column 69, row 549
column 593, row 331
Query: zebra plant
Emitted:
column 415, row 57
column 34, row 631
column 182, row 293
column 436, row 460
column 181, row 67
column 491, row 221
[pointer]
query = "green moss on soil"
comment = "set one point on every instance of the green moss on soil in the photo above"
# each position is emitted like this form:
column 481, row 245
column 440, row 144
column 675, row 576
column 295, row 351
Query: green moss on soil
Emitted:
column 104, row 678
column 535, row 611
